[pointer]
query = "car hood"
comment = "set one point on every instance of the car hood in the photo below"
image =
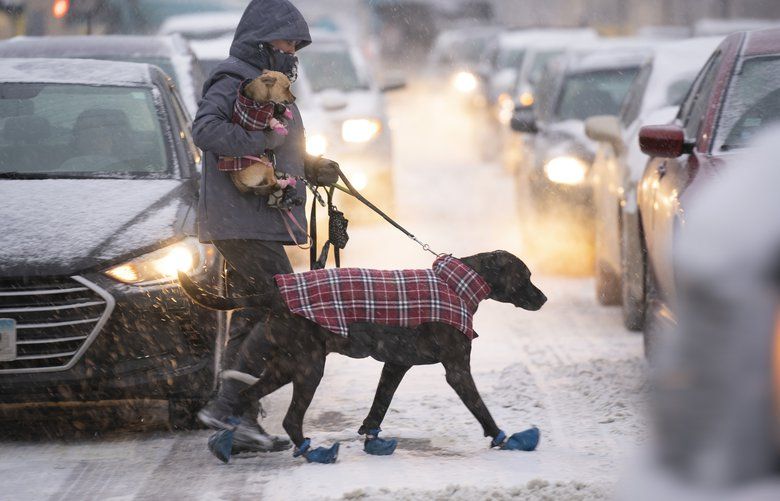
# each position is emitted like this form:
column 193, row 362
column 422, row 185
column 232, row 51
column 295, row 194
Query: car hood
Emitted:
column 69, row 226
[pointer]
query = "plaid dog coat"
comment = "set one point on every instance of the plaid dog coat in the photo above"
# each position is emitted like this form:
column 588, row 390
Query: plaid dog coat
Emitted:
column 252, row 116
column 450, row 293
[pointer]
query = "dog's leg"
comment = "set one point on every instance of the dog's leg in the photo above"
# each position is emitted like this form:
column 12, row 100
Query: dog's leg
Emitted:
column 392, row 375
column 459, row 377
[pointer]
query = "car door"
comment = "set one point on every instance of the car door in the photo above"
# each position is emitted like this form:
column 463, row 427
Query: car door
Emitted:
column 665, row 178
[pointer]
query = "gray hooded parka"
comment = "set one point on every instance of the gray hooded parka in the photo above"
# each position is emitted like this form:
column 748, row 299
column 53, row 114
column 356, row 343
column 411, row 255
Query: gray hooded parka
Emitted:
column 224, row 213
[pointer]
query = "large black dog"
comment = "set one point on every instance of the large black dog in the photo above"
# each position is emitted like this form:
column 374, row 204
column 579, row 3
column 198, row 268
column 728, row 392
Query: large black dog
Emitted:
column 297, row 347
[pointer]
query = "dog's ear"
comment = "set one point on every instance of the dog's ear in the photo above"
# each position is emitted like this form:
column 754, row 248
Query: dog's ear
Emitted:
column 268, row 80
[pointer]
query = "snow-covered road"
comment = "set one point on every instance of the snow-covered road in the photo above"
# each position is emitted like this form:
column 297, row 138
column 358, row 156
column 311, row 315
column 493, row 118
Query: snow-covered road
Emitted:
column 570, row 369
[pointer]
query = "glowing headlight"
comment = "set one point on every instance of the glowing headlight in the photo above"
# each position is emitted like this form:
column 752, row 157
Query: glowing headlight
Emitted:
column 162, row 265
column 506, row 108
column 526, row 99
column 360, row 130
column 566, row 170
column 316, row 144
column 464, row 82
column 356, row 176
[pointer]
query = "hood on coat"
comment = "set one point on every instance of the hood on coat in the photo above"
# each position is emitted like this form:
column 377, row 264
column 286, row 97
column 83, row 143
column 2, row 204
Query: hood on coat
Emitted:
column 264, row 21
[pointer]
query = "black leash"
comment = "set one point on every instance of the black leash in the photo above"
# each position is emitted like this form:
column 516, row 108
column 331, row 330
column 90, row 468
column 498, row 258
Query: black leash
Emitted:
column 337, row 226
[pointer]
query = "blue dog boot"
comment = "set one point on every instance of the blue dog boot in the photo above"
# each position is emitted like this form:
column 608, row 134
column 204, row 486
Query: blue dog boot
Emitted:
column 221, row 442
column 522, row 441
column 322, row 455
column 377, row 446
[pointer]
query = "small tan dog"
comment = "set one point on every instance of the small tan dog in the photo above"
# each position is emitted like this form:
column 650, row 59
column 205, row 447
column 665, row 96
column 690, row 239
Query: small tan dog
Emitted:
column 263, row 107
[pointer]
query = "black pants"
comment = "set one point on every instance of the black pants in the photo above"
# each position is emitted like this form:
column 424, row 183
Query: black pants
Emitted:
column 249, row 262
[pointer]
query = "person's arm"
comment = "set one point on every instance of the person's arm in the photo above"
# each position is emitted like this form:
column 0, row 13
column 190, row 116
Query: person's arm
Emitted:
column 212, row 129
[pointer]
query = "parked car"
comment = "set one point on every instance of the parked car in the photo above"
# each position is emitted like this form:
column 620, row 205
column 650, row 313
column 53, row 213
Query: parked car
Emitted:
column 456, row 55
column 735, row 95
column 554, row 180
column 202, row 25
column 656, row 95
column 171, row 53
column 716, row 377
column 99, row 187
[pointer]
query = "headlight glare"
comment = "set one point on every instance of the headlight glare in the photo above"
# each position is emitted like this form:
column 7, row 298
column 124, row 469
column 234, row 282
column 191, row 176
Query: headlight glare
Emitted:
column 360, row 130
column 566, row 170
column 464, row 82
column 162, row 265
column 316, row 144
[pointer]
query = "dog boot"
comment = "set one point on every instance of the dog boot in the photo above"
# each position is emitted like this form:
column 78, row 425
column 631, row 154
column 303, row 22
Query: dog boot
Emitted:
column 377, row 446
column 322, row 455
column 522, row 441
column 221, row 443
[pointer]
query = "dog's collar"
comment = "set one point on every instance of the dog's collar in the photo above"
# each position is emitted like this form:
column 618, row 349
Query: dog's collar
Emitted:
column 462, row 280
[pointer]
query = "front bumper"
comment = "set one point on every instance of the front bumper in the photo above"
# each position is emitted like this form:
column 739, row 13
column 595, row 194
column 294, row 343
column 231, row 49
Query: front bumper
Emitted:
column 542, row 199
column 149, row 343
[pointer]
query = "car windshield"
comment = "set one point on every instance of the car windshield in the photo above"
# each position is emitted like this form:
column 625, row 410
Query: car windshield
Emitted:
column 64, row 130
column 540, row 61
column 331, row 67
column 594, row 93
column 467, row 50
column 752, row 102
column 510, row 58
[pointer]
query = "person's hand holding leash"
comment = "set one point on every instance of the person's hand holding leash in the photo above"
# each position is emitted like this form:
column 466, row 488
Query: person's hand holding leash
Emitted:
column 321, row 171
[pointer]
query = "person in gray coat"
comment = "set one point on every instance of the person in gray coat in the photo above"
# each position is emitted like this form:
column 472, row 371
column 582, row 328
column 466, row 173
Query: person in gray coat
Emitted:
column 250, row 234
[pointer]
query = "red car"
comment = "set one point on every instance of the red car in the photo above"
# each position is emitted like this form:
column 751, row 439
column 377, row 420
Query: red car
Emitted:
column 736, row 94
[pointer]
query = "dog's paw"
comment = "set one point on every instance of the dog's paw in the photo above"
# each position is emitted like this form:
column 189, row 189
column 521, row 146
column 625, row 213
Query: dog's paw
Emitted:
column 522, row 441
column 221, row 445
column 379, row 446
column 323, row 455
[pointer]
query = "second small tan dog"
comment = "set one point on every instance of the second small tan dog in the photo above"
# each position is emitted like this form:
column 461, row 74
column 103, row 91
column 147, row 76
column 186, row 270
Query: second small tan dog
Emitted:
column 271, row 88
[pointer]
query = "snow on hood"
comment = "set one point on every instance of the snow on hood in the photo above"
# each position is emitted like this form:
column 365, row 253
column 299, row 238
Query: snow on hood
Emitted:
column 64, row 226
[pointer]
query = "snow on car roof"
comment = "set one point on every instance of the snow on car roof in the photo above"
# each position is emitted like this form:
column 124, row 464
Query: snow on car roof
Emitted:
column 608, row 59
column 675, row 61
column 93, row 46
column 713, row 27
column 202, row 22
column 75, row 71
column 521, row 38
column 211, row 50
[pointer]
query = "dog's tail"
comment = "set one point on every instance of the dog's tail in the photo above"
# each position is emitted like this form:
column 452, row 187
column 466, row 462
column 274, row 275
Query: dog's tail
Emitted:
column 214, row 302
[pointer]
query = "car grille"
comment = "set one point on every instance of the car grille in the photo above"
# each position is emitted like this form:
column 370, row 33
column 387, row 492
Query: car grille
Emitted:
column 56, row 321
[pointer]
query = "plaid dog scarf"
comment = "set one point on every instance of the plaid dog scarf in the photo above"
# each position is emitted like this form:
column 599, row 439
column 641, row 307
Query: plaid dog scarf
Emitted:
column 449, row 293
column 252, row 116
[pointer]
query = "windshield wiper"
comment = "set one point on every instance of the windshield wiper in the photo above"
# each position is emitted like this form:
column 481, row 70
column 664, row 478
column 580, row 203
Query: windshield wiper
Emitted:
column 39, row 175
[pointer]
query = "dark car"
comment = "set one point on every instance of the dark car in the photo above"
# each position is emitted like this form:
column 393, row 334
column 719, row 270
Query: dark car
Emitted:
column 99, row 183
column 554, row 178
column 171, row 53
column 736, row 94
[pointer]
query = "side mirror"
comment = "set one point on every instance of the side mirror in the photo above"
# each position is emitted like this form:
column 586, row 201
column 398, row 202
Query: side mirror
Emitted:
column 524, row 120
column 606, row 129
column 393, row 86
column 665, row 141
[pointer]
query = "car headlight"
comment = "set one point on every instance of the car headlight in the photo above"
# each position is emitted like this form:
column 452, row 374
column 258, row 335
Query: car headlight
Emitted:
column 526, row 99
column 360, row 130
column 316, row 145
column 566, row 170
column 357, row 176
column 163, row 265
column 465, row 82
column 506, row 108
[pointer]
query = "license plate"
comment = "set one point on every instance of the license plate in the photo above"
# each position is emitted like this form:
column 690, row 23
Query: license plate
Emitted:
column 7, row 339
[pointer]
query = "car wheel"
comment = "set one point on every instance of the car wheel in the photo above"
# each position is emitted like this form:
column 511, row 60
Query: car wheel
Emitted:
column 607, row 285
column 632, row 271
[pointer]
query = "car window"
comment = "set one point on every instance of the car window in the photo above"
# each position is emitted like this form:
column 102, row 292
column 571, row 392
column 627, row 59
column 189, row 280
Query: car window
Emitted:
column 594, row 93
column 331, row 68
column 510, row 58
column 185, row 126
column 540, row 61
column 632, row 105
column 752, row 102
column 694, row 106
column 81, row 130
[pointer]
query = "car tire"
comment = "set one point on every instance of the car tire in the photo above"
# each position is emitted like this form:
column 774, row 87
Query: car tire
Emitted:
column 633, row 273
column 607, row 285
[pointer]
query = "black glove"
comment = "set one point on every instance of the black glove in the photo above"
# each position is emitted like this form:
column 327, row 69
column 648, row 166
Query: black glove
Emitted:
column 321, row 171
